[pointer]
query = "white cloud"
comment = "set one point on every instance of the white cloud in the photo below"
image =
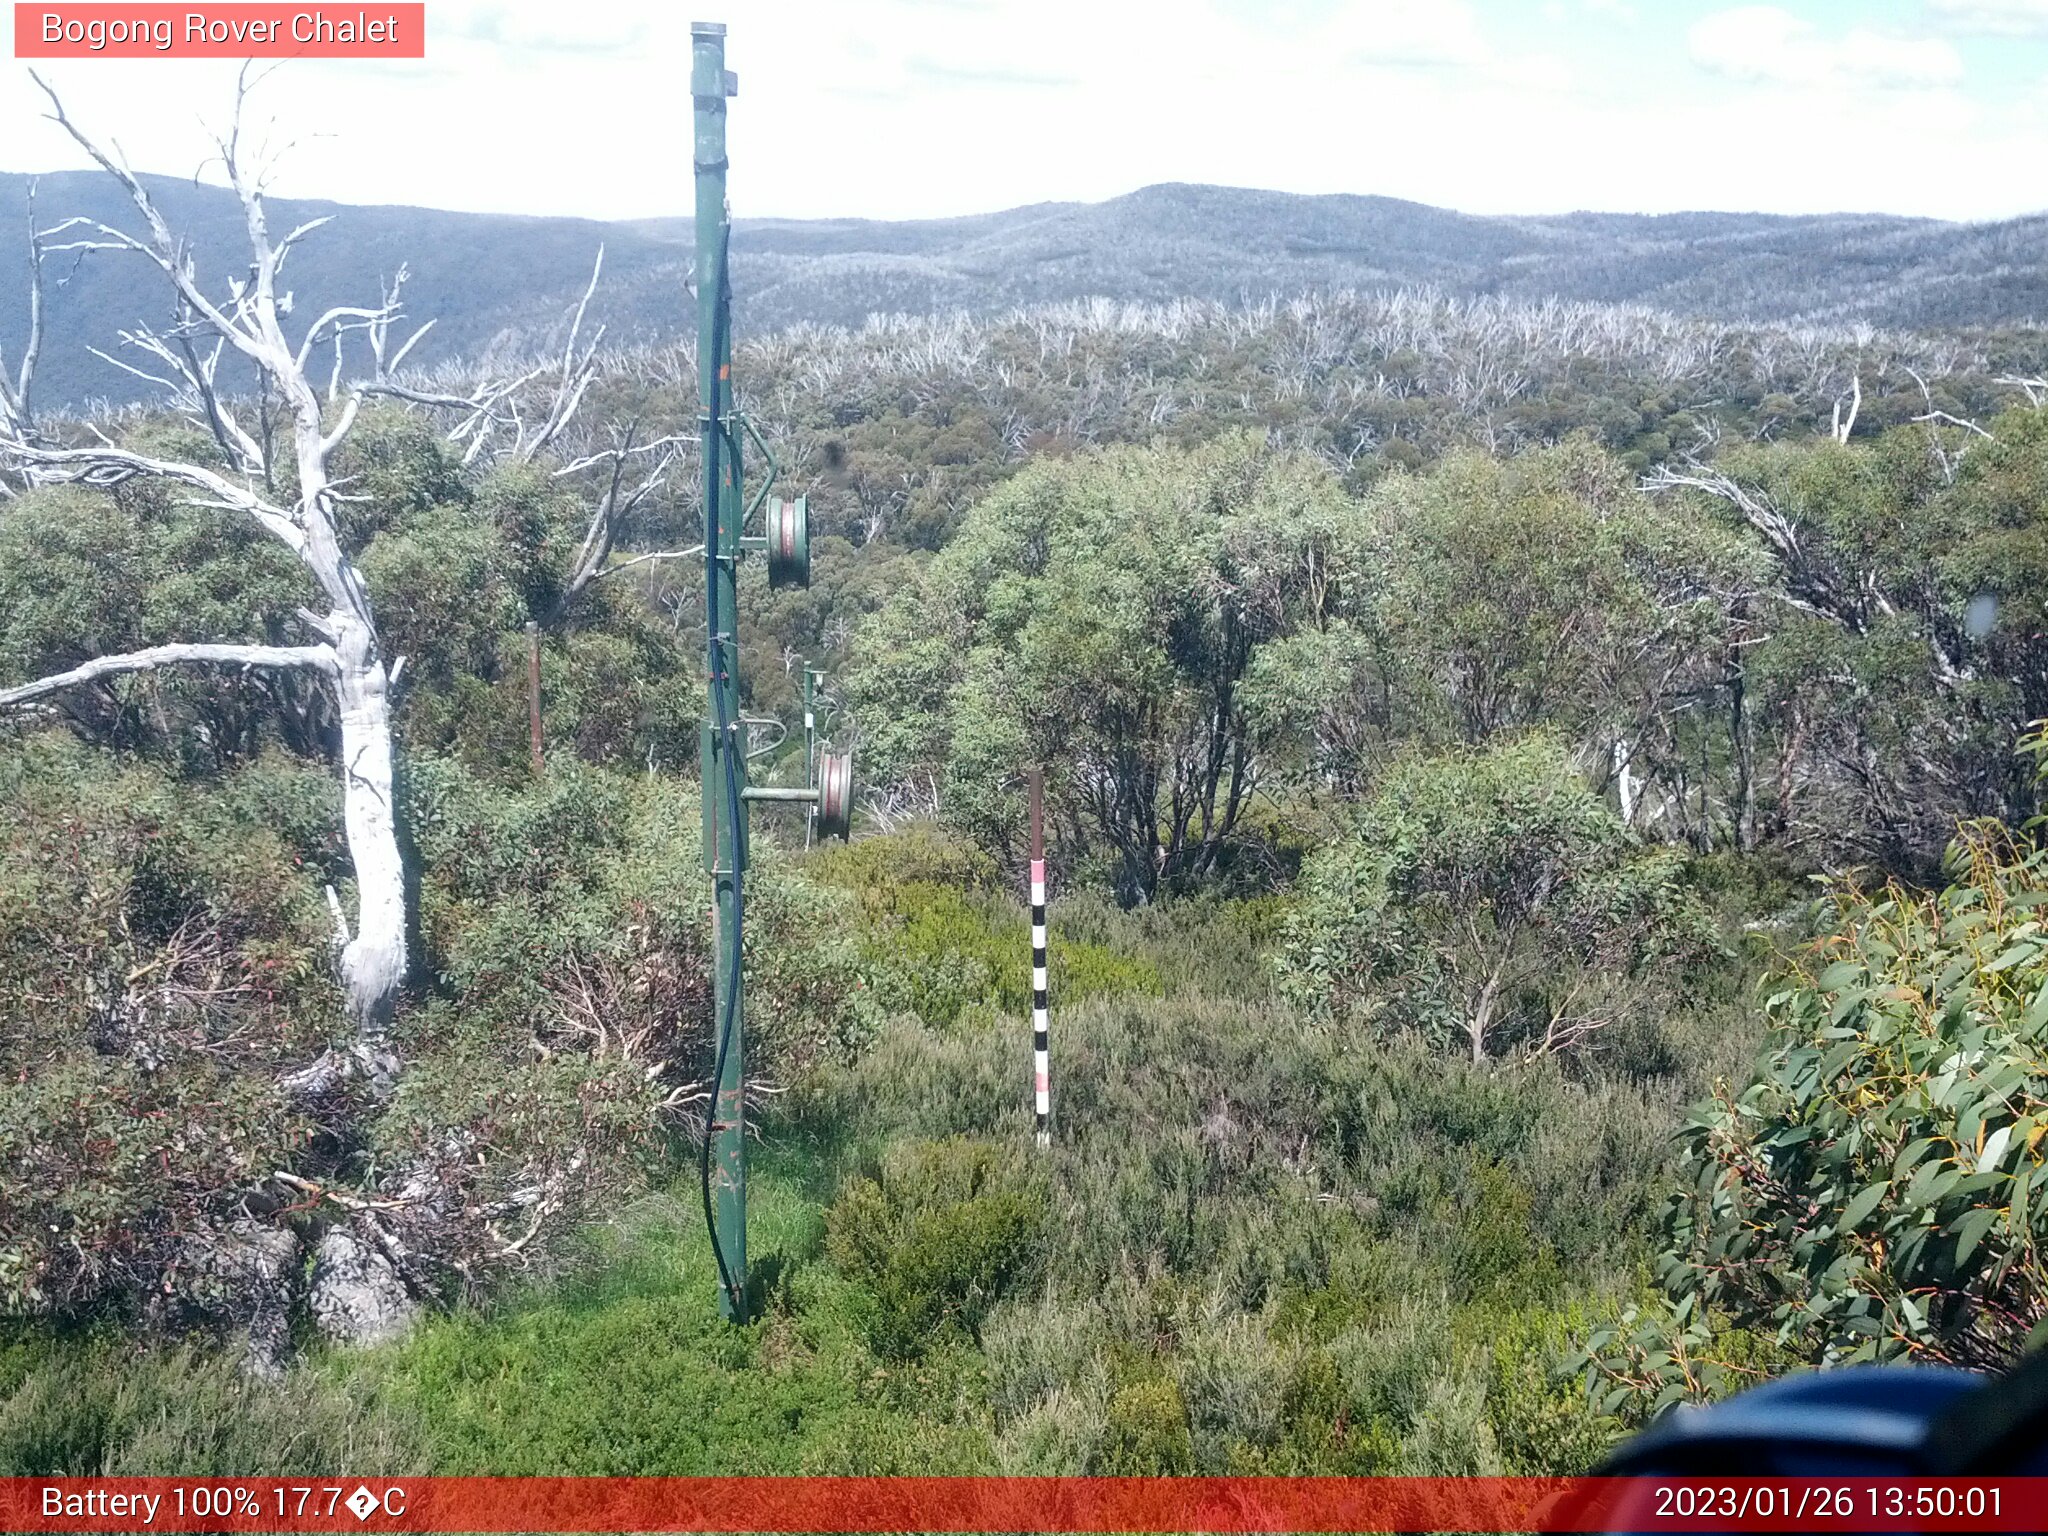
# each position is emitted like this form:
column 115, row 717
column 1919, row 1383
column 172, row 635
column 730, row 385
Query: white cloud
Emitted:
column 2007, row 17
column 1446, row 37
column 1429, row 33
column 577, row 29
column 916, row 108
column 1764, row 43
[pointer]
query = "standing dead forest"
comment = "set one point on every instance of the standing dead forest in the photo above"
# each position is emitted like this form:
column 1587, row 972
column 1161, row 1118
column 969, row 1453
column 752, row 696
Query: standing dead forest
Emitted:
column 1541, row 821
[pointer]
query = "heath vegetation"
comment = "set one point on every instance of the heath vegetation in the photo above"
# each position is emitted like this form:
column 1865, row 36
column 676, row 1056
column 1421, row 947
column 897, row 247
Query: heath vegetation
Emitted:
column 1546, row 899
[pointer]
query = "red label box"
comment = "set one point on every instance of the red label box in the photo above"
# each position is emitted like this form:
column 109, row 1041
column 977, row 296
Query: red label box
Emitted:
column 234, row 31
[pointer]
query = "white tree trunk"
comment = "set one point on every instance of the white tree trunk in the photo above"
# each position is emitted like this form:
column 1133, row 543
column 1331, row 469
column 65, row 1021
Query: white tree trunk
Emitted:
column 373, row 961
column 1625, row 780
column 1479, row 1021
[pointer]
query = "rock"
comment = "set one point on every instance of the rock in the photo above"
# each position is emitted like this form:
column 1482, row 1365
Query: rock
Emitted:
column 243, row 1274
column 356, row 1296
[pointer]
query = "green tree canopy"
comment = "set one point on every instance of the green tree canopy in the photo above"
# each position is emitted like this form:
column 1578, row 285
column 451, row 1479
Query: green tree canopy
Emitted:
column 1493, row 596
column 1099, row 614
column 1902, row 647
column 1486, row 897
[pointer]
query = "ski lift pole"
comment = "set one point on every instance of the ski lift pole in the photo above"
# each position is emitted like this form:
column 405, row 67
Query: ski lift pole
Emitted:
column 723, row 748
column 726, row 739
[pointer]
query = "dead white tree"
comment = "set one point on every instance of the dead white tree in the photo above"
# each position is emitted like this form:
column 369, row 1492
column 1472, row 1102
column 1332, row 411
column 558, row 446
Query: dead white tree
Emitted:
column 2036, row 390
column 17, row 391
column 248, row 324
column 1812, row 580
column 1841, row 426
column 620, row 496
column 1950, row 460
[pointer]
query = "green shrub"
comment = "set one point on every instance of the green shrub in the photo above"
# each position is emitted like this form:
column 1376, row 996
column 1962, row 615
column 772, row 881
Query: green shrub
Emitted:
column 86, row 573
column 397, row 465
column 880, row 1443
column 622, row 1366
column 1872, row 1193
column 920, row 853
column 946, row 951
column 1146, row 1432
column 1477, row 899
column 566, row 920
column 1495, row 1247
column 439, row 582
column 1042, row 1347
column 89, row 1406
column 939, row 1236
column 1055, row 1438
column 1542, row 1422
column 162, row 962
column 944, row 940
column 1202, row 947
column 1231, row 1374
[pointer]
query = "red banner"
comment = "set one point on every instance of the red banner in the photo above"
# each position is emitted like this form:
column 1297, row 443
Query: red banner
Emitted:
column 1022, row 1504
column 237, row 31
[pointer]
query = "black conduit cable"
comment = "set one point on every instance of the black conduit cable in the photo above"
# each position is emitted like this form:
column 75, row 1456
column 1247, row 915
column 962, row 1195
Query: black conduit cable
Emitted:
column 712, row 475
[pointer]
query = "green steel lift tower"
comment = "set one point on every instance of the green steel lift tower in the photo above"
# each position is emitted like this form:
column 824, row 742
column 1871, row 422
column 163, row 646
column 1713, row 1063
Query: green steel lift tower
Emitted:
column 727, row 732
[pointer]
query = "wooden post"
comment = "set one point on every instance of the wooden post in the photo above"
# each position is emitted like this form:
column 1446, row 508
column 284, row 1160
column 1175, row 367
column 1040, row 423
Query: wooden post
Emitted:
column 1041, row 1054
column 533, row 691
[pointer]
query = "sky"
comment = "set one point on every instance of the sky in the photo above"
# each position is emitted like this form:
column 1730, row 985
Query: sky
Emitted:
column 925, row 108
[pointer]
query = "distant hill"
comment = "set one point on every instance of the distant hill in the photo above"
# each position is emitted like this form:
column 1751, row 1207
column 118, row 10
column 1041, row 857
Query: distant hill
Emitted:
column 1226, row 243
column 502, row 283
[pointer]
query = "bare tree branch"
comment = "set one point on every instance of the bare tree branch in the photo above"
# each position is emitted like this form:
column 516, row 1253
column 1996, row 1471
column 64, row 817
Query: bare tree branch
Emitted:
column 491, row 409
column 239, row 325
column 576, row 374
column 481, row 413
column 2036, row 390
column 317, row 656
column 1950, row 463
column 652, row 555
column 615, row 506
column 106, row 466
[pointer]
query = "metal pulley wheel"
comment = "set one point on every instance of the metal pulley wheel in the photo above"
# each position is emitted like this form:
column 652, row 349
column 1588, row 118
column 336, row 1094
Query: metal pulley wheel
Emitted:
column 789, row 543
column 835, row 795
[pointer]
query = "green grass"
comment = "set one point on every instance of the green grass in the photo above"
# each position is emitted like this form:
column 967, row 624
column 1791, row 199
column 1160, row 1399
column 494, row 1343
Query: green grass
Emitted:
column 90, row 1405
column 627, row 1369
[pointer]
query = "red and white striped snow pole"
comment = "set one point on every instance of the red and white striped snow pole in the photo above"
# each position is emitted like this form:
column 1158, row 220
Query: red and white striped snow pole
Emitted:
column 1041, row 1052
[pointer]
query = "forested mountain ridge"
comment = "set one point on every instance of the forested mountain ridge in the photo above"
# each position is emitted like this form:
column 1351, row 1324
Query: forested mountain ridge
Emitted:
column 492, row 280
column 1231, row 243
